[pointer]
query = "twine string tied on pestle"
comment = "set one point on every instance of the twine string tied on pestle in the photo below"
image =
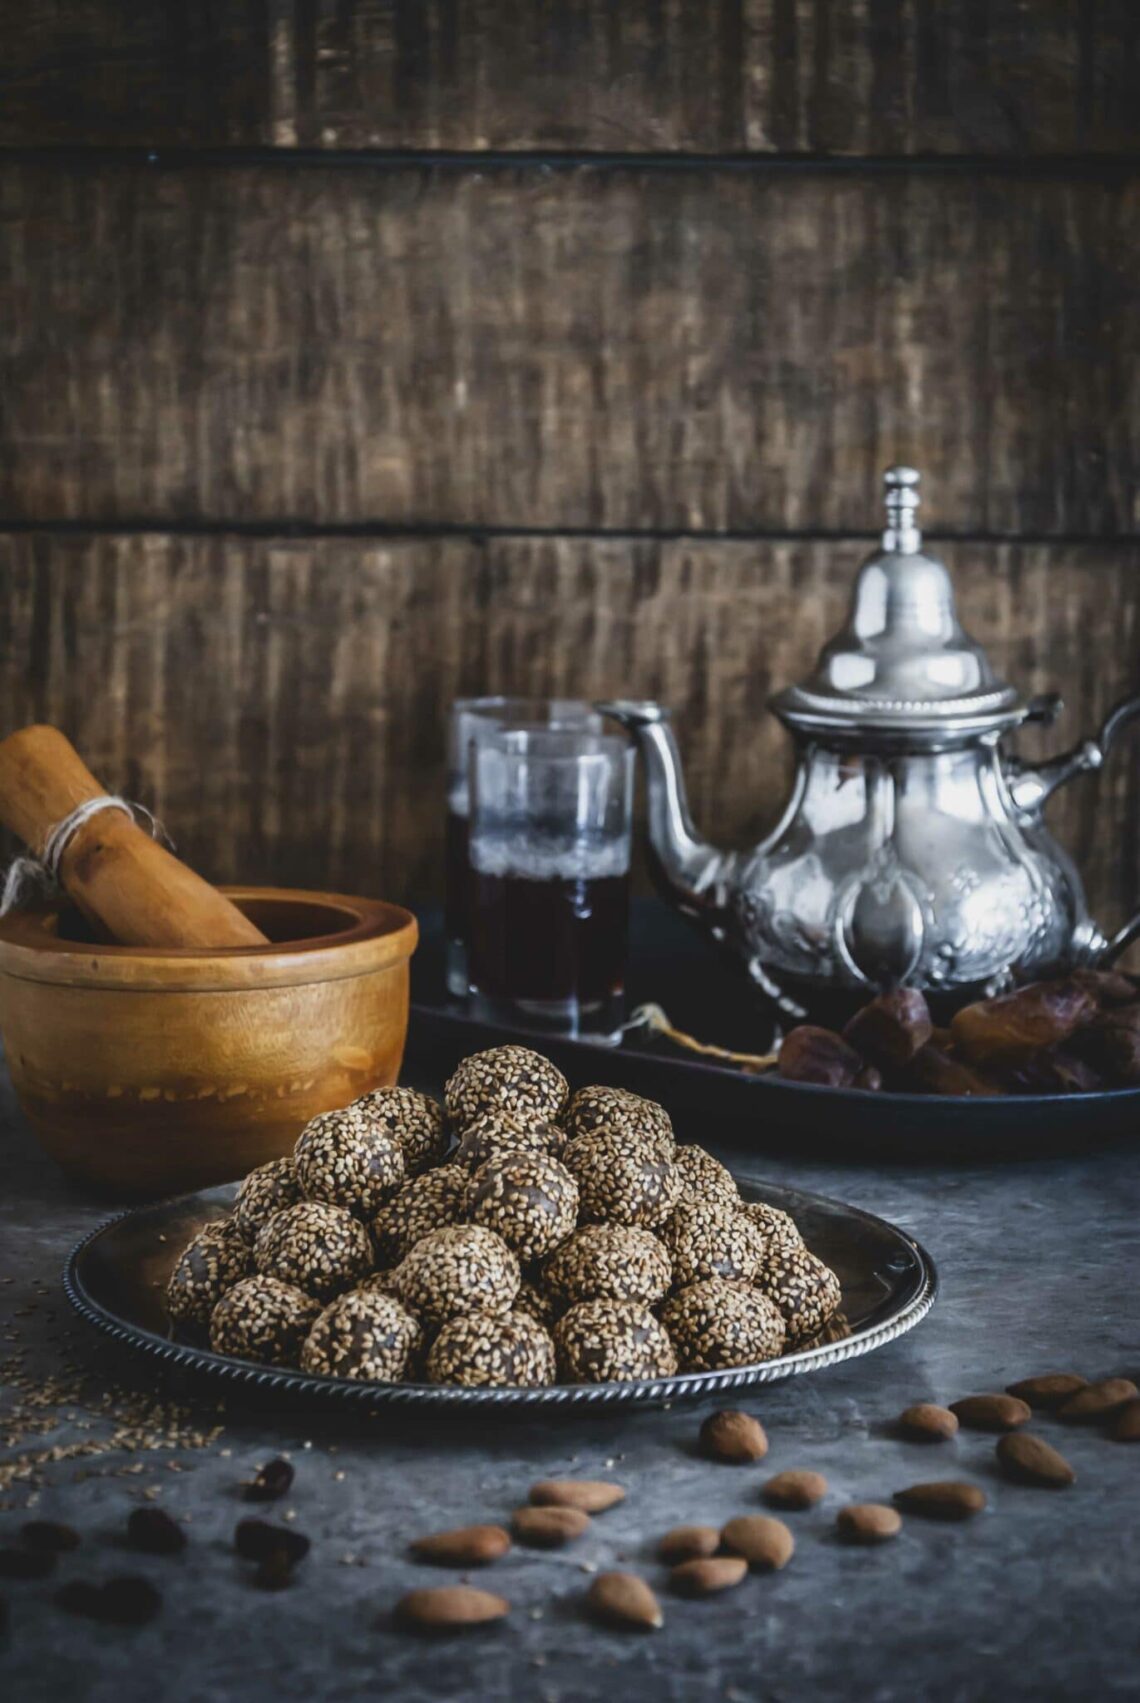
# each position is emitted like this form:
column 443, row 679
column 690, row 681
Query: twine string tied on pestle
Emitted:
column 32, row 881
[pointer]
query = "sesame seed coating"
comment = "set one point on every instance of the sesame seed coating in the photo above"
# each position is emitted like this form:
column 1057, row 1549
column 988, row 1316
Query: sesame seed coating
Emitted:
column 509, row 1079
column 705, row 1178
column 432, row 1199
column 211, row 1263
column 602, row 1342
column 345, row 1159
column 806, row 1291
column 376, row 1283
column 772, row 1223
column 706, row 1239
column 362, row 1335
column 483, row 1350
column 461, row 1268
column 537, row 1302
column 715, row 1323
column 319, row 1248
column 531, row 1201
column 618, row 1109
column 608, row 1262
column 492, row 1134
column 619, row 1183
column 411, row 1119
column 268, row 1189
column 263, row 1319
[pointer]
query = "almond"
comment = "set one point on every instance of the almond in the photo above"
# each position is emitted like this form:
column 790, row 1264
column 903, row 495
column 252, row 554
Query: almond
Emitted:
column 706, row 1575
column 991, row 1412
column 688, row 1543
column 926, row 1422
column 1098, row 1401
column 733, row 1437
column 548, row 1528
column 622, row 1599
column 1048, row 1389
column 1127, row 1427
column 466, row 1546
column 1031, row 1460
column 795, row 1488
column 443, row 1608
column 945, row 1499
column 765, row 1544
column 591, row 1495
column 868, row 1522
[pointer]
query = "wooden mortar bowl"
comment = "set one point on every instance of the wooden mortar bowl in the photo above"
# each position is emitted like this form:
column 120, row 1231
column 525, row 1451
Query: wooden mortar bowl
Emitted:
column 149, row 1071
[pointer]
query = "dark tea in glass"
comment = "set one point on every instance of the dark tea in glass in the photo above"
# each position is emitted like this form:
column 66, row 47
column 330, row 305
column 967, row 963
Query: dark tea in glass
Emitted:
column 548, row 883
column 470, row 719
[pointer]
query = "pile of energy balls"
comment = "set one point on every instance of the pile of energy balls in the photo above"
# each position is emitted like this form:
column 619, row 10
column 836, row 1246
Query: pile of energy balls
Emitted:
column 526, row 1237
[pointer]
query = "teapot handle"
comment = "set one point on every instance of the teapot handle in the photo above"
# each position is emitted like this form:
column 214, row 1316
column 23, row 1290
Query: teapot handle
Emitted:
column 1031, row 786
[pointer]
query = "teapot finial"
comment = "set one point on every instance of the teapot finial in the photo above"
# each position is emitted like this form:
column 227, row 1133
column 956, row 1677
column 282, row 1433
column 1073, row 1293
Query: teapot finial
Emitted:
column 900, row 535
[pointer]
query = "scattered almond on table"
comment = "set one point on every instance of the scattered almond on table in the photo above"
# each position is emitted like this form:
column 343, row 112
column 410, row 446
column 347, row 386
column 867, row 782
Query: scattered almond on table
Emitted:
column 548, row 1528
column 1031, row 1460
column 466, row 1546
column 1048, row 1389
column 590, row 1495
column 766, row 1544
column 926, row 1422
column 623, row 1600
column 868, row 1522
column 705, row 1576
column 795, row 1489
column 733, row 1437
column 944, row 1499
column 1098, row 1401
column 991, row 1412
column 688, row 1543
column 447, row 1608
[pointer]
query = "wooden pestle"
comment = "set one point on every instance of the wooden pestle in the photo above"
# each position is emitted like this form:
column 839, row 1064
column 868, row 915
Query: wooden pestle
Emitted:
column 131, row 889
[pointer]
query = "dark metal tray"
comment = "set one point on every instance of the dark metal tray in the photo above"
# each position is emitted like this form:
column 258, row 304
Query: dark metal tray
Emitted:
column 671, row 965
column 115, row 1280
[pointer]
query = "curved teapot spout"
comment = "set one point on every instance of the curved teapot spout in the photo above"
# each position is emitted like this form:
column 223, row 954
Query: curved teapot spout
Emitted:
column 691, row 872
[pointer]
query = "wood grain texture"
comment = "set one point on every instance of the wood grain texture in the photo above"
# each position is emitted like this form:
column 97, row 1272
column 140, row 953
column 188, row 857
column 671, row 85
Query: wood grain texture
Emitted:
column 599, row 348
column 821, row 76
column 282, row 704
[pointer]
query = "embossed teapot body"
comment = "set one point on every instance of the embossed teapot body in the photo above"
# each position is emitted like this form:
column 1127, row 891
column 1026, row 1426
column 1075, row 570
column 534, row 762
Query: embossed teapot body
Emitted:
column 913, row 848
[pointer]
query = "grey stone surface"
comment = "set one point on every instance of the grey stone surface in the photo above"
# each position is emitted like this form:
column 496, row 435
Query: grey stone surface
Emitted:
column 1034, row 1599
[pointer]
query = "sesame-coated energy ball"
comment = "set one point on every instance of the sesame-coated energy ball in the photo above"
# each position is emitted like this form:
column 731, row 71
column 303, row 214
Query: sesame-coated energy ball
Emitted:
column 461, row 1268
column 217, row 1258
column 529, row 1200
column 511, row 1079
column 705, row 1178
column 608, row 1262
column 617, row 1109
column 774, row 1225
column 411, row 1119
column 430, row 1200
column 319, row 1248
column 268, row 1189
column 344, row 1158
column 492, row 1134
column 805, row 1290
column 485, row 1350
column 602, row 1342
column 263, row 1319
column 715, row 1324
column 362, row 1335
column 706, row 1239
column 620, row 1183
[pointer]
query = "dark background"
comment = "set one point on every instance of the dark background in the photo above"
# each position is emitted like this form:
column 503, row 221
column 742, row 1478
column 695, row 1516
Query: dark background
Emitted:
column 354, row 356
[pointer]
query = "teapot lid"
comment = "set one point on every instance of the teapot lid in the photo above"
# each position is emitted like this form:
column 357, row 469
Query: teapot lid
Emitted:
column 902, row 663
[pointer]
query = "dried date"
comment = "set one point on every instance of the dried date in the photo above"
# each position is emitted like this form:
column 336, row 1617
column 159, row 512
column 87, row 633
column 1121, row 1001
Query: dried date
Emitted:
column 891, row 1029
column 811, row 1054
column 1007, row 1031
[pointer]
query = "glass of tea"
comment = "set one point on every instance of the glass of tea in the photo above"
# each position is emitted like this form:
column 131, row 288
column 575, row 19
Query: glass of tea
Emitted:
column 470, row 719
column 548, row 881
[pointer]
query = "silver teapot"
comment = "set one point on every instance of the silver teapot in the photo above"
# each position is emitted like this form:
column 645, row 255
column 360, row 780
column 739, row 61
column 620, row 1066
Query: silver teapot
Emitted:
column 912, row 850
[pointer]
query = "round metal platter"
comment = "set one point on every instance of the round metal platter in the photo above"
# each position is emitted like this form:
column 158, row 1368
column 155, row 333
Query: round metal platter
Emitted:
column 115, row 1279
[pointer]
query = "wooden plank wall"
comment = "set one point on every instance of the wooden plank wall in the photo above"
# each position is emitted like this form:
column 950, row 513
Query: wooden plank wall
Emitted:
column 353, row 356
